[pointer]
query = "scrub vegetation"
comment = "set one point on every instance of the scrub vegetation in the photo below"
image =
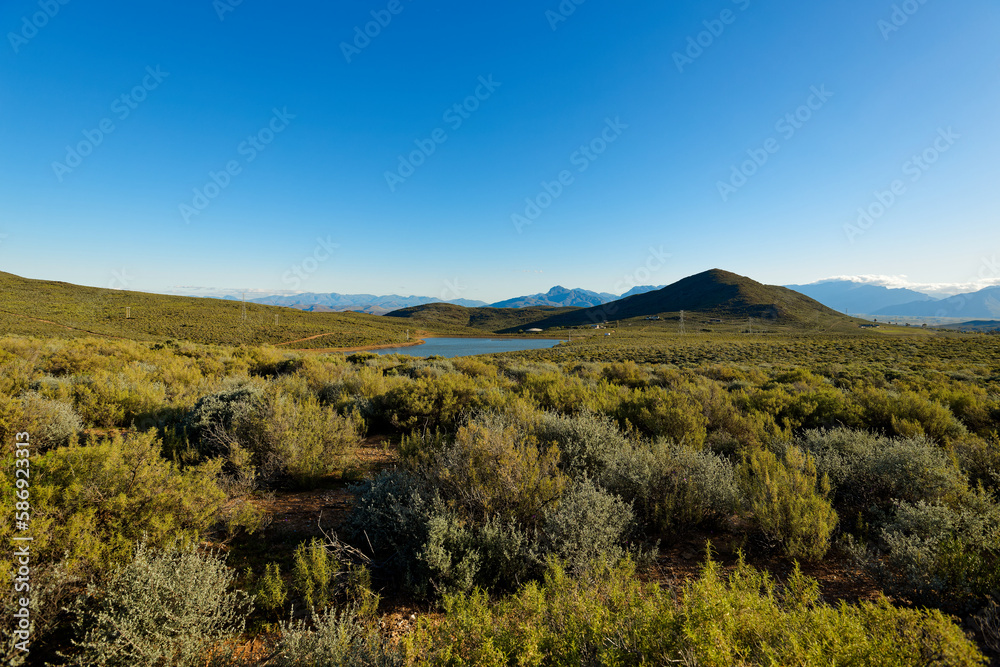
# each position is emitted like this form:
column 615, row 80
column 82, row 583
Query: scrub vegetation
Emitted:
column 523, row 505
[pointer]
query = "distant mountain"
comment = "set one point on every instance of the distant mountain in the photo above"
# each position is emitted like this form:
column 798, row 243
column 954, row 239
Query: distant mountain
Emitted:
column 714, row 293
column 558, row 297
column 847, row 296
column 362, row 303
column 641, row 289
column 986, row 326
column 981, row 305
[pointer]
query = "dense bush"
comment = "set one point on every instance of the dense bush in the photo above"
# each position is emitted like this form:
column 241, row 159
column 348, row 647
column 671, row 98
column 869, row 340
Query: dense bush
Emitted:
column 609, row 618
column 788, row 502
column 947, row 555
column 163, row 608
column 588, row 524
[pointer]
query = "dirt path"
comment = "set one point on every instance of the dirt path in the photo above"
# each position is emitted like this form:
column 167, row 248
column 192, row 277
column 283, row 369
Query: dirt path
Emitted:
column 64, row 326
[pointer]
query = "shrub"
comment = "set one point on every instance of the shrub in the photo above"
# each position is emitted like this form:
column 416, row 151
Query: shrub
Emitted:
column 692, row 487
column 218, row 418
column 345, row 639
column 430, row 402
column 313, row 574
column 783, row 497
column 51, row 423
column 608, row 617
column 588, row 524
column 163, row 608
column 494, row 468
column 934, row 553
column 869, row 471
column 662, row 413
column 270, row 591
column 588, row 444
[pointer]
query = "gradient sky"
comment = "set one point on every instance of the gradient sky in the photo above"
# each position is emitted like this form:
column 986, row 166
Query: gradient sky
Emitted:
column 115, row 219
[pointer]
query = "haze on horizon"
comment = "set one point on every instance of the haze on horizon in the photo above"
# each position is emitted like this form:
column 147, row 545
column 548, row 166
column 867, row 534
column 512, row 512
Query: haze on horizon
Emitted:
column 493, row 151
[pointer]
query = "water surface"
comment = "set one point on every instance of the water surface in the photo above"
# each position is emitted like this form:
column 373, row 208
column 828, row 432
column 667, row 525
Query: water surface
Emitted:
column 466, row 347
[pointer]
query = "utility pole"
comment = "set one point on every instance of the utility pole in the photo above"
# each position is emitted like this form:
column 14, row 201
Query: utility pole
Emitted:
column 682, row 323
column 128, row 312
column 244, row 306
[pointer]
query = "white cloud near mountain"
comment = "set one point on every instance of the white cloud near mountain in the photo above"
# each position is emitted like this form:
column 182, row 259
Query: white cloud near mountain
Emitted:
column 987, row 278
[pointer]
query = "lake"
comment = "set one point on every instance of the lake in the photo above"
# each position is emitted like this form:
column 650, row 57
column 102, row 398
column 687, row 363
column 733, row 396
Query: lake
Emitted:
column 466, row 347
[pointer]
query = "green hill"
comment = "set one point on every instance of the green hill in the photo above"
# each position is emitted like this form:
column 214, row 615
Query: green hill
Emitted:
column 713, row 294
column 484, row 319
column 49, row 308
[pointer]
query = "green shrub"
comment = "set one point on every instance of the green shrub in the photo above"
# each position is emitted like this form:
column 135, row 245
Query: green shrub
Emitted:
column 51, row 423
column 946, row 555
column 270, row 592
column 787, row 501
column 345, row 639
column 91, row 503
column 667, row 414
column 163, row 608
column 588, row 524
column 868, row 470
column 313, row 573
column 588, row 444
column 608, row 617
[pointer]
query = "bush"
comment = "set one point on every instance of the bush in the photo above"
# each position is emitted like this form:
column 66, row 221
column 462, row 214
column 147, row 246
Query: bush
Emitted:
column 785, row 502
column 270, row 591
column 314, row 573
column 608, row 617
column 163, row 608
column 588, row 444
column 345, row 639
column 665, row 414
column 92, row 503
column 51, row 423
column 869, row 471
column 937, row 554
column 588, row 524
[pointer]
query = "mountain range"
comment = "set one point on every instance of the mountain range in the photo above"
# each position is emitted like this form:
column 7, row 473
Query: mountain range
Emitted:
column 557, row 297
column 984, row 304
column 848, row 296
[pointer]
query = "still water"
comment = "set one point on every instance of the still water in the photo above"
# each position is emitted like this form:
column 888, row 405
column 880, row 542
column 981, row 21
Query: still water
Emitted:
column 465, row 347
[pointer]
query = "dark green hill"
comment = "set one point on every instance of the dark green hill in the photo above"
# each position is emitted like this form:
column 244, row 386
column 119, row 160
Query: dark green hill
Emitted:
column 50, row 308
column 714, row 294
column 484, row 319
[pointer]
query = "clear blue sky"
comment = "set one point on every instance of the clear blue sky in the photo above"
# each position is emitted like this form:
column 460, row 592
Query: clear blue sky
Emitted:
column 116, row 217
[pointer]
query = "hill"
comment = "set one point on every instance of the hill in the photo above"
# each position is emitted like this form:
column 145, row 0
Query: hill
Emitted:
column 713, row 294
column 846, row 296
column 981, row 305
column 50, row 308
column 486, row 319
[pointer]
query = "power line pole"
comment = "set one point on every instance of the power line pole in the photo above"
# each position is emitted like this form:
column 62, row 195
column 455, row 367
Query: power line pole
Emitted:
column 244, row 306
column 682, row 323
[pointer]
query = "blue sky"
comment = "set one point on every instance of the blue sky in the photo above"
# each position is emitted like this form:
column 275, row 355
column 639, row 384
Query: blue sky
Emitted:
column 667, row 123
